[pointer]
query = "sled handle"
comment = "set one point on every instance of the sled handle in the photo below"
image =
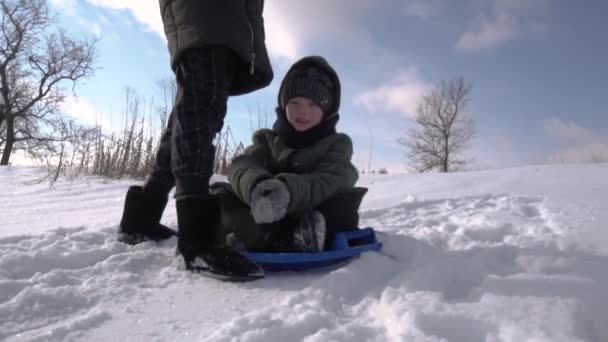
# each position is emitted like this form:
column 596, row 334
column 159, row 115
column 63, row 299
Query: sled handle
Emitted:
column 353, row 238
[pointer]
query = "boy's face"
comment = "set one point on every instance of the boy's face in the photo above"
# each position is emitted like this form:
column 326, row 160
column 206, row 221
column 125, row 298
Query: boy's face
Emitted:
column 303, row 113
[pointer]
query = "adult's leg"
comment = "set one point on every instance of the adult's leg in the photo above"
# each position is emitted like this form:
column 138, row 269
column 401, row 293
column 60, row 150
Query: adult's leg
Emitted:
column 161, row 179
column 205, row 75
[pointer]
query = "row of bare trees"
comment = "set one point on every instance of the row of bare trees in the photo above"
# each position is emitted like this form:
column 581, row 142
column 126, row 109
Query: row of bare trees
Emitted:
column 129, row 151
column 108, row 152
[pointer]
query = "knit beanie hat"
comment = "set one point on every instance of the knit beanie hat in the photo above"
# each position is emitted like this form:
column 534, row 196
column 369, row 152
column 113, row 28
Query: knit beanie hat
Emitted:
column 313, row 78
column 311, row 83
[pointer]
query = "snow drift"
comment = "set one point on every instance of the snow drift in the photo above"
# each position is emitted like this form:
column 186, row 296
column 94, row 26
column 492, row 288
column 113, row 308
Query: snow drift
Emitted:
column 503, row 255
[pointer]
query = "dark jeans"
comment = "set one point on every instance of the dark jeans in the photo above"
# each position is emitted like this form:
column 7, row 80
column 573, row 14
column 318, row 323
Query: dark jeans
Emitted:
column 186, row 153
column 340, row 213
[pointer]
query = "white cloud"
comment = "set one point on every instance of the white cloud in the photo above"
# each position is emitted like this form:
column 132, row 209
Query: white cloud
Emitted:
column 293, row 25
column 145, row 12
column 592, row 152
column 96, row 29
column 420, row 8
column 281, row 41
column 508, row 19
column 400, row 95
column 499, row 150
column 490, row 34
column 68, row 6
column 578, row 144
column 517, row 6
column 91, row 26
column 85, row 112
column 566, row 131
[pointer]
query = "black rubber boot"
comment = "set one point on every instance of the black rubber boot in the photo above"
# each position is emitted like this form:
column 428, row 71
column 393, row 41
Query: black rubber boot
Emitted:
column 341, row 212
column 237, row 221
column 279, row 236
column 199, row 221
column 141, row 217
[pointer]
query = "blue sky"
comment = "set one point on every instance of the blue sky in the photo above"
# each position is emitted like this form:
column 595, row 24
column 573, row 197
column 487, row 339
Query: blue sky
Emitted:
column 538, row 69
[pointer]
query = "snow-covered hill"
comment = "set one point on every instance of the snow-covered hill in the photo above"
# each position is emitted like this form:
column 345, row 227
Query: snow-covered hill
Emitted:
column 502, row 255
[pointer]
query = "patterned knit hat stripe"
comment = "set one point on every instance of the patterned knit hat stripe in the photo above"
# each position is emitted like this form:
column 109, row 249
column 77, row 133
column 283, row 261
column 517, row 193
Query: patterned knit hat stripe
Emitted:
column 307, row 87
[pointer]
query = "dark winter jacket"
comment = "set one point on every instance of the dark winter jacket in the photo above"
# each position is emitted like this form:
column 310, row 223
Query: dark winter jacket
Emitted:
column 313, row 174
column 237, row 24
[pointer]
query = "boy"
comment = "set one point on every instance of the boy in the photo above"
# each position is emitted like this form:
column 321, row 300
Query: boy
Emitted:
column 217, row 50
column 296, row 181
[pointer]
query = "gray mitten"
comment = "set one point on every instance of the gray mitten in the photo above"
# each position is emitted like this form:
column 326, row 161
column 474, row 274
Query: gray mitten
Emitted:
column 269, row 201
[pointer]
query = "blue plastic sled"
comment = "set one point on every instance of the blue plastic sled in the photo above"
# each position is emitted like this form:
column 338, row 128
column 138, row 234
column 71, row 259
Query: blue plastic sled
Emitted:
column 346, row 245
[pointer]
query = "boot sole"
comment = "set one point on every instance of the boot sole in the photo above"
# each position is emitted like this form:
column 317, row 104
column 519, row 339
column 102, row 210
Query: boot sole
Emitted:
column 134, row 239
column 226, row 277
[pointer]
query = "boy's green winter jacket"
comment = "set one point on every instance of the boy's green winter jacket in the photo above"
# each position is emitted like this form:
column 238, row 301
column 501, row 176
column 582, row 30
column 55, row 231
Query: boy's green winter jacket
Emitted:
column 313, row 174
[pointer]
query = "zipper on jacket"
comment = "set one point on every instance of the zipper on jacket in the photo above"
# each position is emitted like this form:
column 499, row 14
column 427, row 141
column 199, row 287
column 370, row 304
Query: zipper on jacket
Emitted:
column 252, row 67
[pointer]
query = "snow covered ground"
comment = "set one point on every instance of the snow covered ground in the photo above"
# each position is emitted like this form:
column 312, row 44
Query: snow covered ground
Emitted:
column 502, row 255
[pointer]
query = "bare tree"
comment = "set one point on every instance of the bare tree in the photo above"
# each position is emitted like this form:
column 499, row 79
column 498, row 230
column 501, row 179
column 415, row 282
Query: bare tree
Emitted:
column 35, row 63
column 444, row 130
column 168, row 92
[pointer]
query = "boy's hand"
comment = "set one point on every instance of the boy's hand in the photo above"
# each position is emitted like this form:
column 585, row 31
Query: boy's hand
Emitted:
column 269, row 201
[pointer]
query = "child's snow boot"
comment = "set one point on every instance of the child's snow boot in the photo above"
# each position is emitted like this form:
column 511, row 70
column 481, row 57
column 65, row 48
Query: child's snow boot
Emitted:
column 309, row 233
column 141, row 217
column 341, row 212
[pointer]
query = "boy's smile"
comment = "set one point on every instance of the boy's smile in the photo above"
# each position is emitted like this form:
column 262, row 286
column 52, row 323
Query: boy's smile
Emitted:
column 303, row 114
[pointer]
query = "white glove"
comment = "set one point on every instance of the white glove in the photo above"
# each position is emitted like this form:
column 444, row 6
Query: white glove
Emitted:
column 269, row 201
